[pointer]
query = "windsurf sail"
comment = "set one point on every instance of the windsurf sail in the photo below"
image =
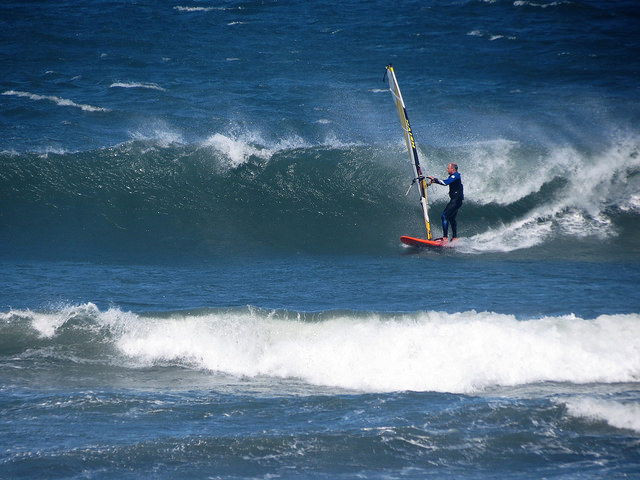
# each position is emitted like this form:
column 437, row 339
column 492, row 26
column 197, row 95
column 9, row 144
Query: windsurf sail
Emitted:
column 411, row 146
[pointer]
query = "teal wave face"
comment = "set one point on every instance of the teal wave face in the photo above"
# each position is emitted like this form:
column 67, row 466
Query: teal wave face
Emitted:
column 144, row 198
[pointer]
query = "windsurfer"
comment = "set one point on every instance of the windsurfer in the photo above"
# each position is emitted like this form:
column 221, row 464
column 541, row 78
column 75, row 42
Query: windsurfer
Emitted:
column 456, row 194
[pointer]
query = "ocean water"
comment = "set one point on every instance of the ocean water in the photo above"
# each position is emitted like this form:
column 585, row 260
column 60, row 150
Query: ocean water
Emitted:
column 200, row 267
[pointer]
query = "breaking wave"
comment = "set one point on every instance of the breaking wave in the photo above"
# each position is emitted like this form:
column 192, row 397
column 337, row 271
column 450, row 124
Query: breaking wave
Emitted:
column 240, row 192
column 463, row 352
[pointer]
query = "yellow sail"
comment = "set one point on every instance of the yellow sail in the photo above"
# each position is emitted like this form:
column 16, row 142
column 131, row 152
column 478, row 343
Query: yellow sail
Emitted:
column 411, row 145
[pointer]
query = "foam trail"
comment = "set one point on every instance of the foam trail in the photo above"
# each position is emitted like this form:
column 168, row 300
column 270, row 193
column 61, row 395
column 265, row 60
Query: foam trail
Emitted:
column 524, row 233
column 63, row 102
column 151, row 86
column 525, row 3
column 196, row 9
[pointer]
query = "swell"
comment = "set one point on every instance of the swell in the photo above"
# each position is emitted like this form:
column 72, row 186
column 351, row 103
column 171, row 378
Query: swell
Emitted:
column 147, row 198
column 190, row 197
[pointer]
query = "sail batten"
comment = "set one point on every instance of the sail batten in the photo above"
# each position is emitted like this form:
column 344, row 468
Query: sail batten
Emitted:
column 411, row 145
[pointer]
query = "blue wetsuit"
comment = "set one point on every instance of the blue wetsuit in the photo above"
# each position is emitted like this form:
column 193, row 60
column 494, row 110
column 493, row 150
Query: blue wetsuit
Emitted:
column 456, row 194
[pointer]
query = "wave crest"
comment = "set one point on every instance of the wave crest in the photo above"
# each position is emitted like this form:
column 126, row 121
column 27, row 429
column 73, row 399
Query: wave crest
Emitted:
column 424, row 351
column 63, row 102
column 241, row 191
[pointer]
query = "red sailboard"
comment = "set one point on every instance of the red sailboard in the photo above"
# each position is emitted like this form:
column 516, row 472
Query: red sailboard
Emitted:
column 422, row 242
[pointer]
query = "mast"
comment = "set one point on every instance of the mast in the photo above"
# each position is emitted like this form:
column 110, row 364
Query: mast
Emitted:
column 411, row 145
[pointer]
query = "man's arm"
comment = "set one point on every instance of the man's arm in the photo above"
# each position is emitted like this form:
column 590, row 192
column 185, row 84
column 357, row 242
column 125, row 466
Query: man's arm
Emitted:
column 438, row 181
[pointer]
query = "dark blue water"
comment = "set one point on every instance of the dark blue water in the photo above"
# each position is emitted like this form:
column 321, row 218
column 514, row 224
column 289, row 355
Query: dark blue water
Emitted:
column 200, row 267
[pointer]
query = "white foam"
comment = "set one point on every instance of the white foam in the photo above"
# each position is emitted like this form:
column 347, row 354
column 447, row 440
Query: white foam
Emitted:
column 50, row 149
column 577, row 224
column 237, row 149
column 150, row 86
column 196, row 9
column 633, row 204
column 432, row 351
column 491, row 37
column 592, row 184
column 496, row 174
column 160, row 133
column 63, row 102
column 526, row 3
column 615, row 413
column 331, row 140
column 425, row 351
column 47, row 324
column 10, row 153
column 521, row 234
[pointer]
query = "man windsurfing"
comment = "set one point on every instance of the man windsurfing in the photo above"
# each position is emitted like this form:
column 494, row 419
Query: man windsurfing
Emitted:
column 456, row 194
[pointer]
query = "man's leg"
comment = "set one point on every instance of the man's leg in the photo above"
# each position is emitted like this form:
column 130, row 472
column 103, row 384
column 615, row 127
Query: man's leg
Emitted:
column 452, row 213
column 445, row 223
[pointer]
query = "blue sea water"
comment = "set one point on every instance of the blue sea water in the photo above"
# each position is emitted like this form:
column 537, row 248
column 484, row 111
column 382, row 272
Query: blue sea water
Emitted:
column 200, row 267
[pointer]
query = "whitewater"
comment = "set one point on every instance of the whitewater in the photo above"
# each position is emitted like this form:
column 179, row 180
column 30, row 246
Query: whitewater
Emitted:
column 464, row 352
column 201, row 273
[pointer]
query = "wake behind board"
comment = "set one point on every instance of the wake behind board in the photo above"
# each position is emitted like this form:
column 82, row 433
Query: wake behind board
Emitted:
column 421, row 242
